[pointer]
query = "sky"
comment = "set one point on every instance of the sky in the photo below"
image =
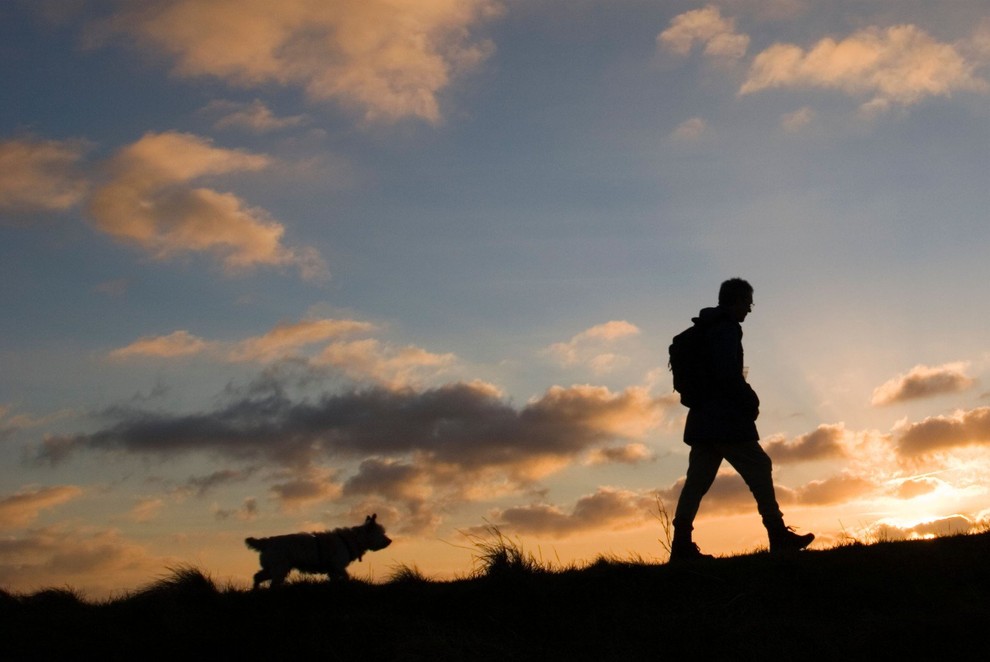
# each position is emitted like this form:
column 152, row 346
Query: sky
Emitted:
column 273, row 267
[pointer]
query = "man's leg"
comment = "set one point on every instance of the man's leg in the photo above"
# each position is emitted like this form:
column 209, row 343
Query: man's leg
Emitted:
column 703, row 463
column 756, row 468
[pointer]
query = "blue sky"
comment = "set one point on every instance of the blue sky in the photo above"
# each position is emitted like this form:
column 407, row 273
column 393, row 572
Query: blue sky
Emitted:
column 269, row 270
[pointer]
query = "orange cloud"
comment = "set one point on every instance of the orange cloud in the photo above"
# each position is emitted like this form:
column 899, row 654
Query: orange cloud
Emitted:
column 704, row 26
column 824, row 442
column 627, row 454
column 964, row 428
column 177, row 343
column 588, row 346
column 923, row 382
column 389, row 59
column 255, row 117
column 309, row 487
column 150, row 201
column 607, row 508
column 41, row 175
column 899, row 65
column 370, row 359
column 90, row 560
column 288, row 337
column 24, row 507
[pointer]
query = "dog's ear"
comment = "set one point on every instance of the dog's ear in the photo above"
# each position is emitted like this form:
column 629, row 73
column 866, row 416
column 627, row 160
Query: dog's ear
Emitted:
column 370, row 519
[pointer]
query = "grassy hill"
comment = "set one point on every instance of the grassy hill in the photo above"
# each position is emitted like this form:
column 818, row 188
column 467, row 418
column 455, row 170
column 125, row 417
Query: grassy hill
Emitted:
column 916, row 599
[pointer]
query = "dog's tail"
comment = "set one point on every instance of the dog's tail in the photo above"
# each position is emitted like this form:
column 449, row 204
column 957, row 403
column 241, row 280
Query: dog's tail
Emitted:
column 255, row 544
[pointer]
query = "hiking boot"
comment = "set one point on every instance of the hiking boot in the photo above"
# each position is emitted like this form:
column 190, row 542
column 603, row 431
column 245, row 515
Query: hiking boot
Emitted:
column 786, row 540
column 687, row 552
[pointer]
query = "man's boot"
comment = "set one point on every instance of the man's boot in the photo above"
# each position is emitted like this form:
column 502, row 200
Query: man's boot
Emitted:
column 785, row 539
column 682, row 548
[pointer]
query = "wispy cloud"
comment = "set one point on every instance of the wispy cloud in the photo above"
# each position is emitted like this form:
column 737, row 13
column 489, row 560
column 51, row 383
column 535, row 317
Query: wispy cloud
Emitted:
column 255, row 117
column 23, row 507
column 387, row 60
column 923, row 382
column 41, row 175
column 690, row 130
column 177, row 343
column 899, row 65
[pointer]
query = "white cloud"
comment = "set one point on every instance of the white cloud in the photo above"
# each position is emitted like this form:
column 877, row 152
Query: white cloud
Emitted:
column 899, row 65
column 389, row 59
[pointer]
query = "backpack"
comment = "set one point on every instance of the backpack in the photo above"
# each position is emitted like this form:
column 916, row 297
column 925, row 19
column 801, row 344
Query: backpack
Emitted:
column 690, row 364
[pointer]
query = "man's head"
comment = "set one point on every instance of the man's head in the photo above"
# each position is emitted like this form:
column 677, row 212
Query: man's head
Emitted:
column 736, row 297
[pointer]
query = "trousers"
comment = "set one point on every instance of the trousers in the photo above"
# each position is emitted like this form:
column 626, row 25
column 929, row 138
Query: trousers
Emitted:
column 749, row 459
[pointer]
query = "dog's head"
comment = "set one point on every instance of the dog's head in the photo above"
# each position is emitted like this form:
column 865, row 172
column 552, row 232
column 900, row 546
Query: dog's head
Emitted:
column 375, row 533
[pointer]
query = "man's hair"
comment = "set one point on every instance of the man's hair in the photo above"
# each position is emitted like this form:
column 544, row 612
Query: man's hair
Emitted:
column 733, row 290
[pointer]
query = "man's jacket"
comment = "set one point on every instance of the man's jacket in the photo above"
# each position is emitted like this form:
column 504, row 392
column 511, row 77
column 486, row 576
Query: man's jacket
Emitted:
column 728, row 411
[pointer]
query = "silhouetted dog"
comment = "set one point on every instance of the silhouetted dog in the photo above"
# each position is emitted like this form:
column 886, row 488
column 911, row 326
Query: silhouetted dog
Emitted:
column 328, row 552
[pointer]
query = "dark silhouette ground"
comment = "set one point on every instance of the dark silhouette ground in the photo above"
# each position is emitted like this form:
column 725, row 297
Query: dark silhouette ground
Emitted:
column 913, row 599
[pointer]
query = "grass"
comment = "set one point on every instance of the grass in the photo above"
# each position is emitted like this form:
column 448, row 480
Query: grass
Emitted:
column 916, row 599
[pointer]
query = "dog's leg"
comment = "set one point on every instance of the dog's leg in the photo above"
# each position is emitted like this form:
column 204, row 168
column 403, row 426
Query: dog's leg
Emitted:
column 261, row 576
column 278, row 576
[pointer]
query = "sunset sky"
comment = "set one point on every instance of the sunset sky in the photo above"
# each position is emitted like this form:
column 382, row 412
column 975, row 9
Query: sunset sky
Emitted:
column 271, row 267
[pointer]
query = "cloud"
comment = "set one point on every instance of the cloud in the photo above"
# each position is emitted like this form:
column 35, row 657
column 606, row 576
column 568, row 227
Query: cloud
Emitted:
column 201, row 485
column 832, row 490
column 305, row 489
column 248, row 511
column 91, row 560
column 41, row 175
column 459, row 433
column 607, row 508
column 690, row 130
column 900, row 65
column 150, row 201
column 824, row 442
column 923, row 382
column 588, row 346
column 370, row 359
column 915, row 487
column 146, row 509
column 23, row 507
column 943, row 526
column 288, row 337
column 388, row 60
column 177, row 343
column 936, row 433
column 255, row 117
column 626, row 454
column 704, row 26
column 797, row 120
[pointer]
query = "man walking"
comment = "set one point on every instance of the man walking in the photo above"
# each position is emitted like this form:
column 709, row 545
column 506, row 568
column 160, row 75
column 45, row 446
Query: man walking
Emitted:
column 721, row 425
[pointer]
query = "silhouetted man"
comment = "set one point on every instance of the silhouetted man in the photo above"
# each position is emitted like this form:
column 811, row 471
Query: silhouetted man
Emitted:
column 721, row 425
